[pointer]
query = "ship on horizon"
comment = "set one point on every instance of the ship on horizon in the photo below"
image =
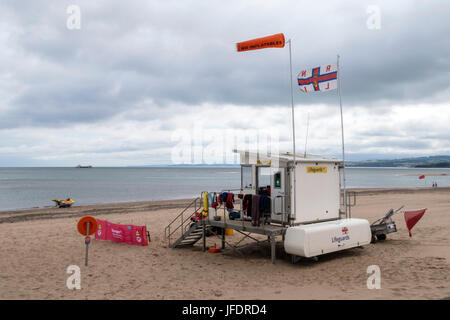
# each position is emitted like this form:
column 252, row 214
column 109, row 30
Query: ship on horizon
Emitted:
column 80, row 166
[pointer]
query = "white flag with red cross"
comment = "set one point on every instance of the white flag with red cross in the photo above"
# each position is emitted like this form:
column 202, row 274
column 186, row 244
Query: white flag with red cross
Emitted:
column 322, row 78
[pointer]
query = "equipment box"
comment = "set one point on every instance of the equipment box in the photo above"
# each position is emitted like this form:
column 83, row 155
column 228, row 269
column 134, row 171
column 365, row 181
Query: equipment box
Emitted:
column 311, row 240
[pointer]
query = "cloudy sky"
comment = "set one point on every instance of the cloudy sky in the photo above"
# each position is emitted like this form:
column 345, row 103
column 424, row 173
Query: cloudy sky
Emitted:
column 137, row 77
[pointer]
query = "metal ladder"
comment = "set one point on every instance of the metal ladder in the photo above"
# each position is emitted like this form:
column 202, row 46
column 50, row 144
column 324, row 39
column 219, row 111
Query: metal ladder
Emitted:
column 189, row 232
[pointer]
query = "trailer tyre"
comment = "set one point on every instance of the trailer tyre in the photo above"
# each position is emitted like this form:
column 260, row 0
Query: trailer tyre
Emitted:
column 381, row 237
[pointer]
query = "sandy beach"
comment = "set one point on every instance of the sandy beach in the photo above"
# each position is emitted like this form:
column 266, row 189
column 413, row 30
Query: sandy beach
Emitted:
column 38, row 245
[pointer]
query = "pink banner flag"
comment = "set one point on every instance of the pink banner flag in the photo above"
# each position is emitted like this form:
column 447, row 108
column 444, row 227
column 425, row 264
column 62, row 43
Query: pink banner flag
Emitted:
column 121, row 233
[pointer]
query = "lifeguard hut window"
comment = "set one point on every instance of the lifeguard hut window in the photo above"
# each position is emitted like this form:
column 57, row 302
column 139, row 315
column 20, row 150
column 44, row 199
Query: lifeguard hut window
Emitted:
column 263, row 176
column 246, row 177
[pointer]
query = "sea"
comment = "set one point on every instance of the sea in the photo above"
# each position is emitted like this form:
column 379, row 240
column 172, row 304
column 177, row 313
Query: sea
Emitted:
column 22, row 188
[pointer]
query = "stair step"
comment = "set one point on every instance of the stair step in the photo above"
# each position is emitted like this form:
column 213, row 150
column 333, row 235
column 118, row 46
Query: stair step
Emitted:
column 191, row 235
column 194, row 235
column 186, row 243
column 198, row 231
column 191, row 238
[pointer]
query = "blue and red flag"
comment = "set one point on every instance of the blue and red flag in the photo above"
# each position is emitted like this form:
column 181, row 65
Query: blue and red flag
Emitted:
column 321, row 78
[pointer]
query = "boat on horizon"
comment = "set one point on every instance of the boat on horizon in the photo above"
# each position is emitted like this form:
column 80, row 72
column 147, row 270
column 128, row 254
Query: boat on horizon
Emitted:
column 80, row 166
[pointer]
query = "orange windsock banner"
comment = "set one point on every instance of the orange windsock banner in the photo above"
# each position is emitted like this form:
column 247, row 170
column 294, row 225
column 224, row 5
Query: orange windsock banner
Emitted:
column 273, row 41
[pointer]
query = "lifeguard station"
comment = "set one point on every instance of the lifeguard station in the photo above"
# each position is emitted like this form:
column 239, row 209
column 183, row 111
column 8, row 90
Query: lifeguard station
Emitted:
column 306, row 208
column 299, row 197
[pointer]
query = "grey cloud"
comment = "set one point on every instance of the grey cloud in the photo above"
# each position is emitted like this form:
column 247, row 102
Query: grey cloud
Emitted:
column 169, row 53
column 154, row 61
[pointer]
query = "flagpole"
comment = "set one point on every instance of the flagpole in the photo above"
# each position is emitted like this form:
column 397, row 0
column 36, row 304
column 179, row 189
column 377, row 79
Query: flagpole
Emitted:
column 342, row 130
column 293, row 129
column 306, row 139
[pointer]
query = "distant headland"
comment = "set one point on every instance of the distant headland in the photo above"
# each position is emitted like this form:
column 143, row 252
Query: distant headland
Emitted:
column 418, row 162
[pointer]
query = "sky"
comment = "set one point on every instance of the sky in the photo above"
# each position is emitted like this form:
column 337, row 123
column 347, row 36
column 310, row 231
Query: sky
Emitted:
column 125, row 83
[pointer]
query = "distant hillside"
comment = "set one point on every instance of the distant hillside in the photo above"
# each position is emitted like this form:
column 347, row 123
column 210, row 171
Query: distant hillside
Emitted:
column 434, row 165
column 419, row 162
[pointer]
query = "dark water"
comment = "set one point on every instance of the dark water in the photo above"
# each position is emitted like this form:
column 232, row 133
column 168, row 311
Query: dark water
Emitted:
column 34, row 187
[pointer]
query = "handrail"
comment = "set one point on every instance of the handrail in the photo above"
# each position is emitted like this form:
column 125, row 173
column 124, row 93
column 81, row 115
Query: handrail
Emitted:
column 168, row 232
column 350, row 195
column 183, row 226
column 349, row 202
column 225, row 190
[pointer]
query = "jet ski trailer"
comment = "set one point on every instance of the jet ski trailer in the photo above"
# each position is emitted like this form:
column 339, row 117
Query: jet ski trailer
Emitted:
column 382, row 227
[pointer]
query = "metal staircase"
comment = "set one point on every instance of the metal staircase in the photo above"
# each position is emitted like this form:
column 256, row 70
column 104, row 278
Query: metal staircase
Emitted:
column 182, row 227
column 191, row 236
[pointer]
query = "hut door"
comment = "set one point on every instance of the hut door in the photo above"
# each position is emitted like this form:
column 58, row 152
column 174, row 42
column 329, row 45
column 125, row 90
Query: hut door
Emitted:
column 278, row 195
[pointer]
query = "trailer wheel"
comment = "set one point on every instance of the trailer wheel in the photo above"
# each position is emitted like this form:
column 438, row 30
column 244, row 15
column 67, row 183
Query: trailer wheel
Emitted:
column 295, row 259
column 381, row 237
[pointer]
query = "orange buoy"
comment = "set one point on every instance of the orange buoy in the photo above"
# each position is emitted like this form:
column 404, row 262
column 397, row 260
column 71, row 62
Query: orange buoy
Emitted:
column 82, row 225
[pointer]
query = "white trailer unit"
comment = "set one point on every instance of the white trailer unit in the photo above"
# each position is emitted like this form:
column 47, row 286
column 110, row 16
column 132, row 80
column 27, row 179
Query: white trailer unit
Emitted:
column 311, row 240
column 314, row 223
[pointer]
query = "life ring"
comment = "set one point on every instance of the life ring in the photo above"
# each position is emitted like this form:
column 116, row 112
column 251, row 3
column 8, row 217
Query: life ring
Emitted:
column 82, row 225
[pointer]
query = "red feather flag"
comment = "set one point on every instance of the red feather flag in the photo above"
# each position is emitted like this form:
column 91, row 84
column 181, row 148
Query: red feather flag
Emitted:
column 412, row 217
column 422, row 177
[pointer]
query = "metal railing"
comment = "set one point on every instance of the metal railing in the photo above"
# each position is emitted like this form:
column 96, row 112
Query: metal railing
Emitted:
column 351, row 195
column 183, row 220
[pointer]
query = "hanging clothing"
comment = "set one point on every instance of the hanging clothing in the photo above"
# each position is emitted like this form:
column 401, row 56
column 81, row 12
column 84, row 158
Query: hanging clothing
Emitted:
column 214, row 203
column 210, row 198
column 230, row 200
column 224, row 196
column 255, row 211
column 247, row 204
column 264, row 205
